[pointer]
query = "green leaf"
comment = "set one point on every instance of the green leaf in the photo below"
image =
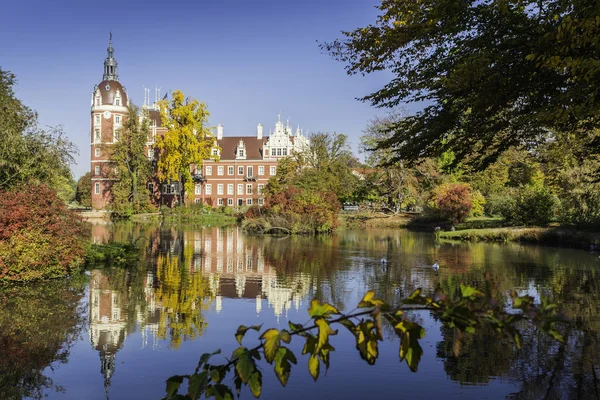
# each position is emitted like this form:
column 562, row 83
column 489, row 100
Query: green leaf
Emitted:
column 369, row 301
column 318, row 309
column 556, row 335
column 311, row 345
column 410, row 349
column 285, row 336
column 295, row 327
column 197, row 384
column 255, row 383
column 469, row 291
column 244, row 366
column 313, row 366
column 324, row 332
column 220, row 392
column 173, row 384
column 272, row 342
column 282, row 364
column 205, row 357
column 242, row 329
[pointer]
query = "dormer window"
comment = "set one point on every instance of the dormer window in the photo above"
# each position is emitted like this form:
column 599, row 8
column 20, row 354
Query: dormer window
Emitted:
column 241, row 153
column 117, row 102
column 98, row 100
column 241, row 150
column 215, row 152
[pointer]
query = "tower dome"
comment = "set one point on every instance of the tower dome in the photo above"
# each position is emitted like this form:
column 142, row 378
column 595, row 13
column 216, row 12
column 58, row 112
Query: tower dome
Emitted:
column 110, row 93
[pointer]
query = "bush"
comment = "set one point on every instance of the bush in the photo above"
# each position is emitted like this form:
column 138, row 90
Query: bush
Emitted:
column 451, row 201
column 478, row 204
column 295, row 210
column 39, row 236
column 530, row 206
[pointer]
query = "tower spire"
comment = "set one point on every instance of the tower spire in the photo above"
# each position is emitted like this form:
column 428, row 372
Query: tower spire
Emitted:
column 110, row 64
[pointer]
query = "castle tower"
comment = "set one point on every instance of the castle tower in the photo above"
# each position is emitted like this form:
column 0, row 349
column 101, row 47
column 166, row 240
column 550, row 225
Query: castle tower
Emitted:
column 108, row 111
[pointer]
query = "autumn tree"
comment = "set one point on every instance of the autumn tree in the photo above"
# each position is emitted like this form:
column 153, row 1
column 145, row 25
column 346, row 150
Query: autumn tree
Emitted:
column 83, row 192
column 128, row 155
column 492, row 75
column 188, row 141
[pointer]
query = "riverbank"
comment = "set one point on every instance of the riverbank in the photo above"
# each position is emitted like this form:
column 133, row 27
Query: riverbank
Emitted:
column 374, row 220
column 552, row 236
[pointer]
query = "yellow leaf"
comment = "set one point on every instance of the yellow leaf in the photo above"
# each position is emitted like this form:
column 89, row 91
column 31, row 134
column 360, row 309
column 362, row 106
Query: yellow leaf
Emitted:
column 313, row 366
column 272, row 342
column 318, row 309
column 324, row 332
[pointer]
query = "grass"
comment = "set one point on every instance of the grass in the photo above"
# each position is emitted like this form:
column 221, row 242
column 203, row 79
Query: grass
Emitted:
column 351, row 220
column 554, row 236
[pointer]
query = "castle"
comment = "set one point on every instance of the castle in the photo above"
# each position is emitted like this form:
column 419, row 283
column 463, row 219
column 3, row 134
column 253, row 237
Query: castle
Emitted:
column 239, row 177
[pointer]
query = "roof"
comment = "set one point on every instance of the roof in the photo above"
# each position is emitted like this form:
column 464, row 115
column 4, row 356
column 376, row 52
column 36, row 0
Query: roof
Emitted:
column 108, row 95
column 154, row 116
column 254, row 147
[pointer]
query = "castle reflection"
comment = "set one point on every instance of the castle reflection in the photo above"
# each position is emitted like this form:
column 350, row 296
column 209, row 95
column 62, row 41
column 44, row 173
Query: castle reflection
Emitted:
column 179, row 275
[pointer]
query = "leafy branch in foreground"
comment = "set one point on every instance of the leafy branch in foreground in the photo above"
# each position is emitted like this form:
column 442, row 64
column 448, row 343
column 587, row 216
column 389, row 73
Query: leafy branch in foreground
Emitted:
column 472, row 310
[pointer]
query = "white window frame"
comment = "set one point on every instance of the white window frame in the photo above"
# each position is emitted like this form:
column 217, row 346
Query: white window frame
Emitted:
column 230, row 188
column 97, row 170
column 97, row 188
column 249, row 188
column 261, row 188
column 240, row 188
column 117, row 120
column 208, row 189
column 250, row 170
column 198, row 189
column 97, row 152
column 220, row 170
column 249, row 201
column 96, row 119
column 261, row 202
column 220, row 189
column 261, row 170
column 219, row 202
column 97, row 135
column 230, row 201
column 273, row 170
column 208, row 170
column 241, row 170
column 151, row 153
column 230, row 170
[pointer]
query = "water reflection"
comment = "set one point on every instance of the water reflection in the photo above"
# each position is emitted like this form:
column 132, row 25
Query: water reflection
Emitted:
column 193, row 286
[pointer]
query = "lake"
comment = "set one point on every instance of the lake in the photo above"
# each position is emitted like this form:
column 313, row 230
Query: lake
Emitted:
column 120, row 333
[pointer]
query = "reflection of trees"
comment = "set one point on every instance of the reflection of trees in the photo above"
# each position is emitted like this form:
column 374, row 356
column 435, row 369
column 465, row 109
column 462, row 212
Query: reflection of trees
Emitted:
column 182, row 296
column 38, row 325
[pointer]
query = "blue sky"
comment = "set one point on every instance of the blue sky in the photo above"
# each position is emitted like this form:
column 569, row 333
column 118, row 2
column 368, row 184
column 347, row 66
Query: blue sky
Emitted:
column 248, row 60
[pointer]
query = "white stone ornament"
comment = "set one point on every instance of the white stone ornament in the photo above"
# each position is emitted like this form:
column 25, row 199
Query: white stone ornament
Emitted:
column 107, row 114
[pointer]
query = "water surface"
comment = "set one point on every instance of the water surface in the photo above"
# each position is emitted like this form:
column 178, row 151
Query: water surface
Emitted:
column 119, row 333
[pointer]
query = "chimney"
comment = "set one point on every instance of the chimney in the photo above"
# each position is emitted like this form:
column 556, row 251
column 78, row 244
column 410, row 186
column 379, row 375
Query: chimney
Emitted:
column 259, row 131
column 219, row 132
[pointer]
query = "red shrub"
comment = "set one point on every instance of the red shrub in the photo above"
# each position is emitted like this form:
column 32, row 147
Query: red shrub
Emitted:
column 39, row 236
column 452, row 201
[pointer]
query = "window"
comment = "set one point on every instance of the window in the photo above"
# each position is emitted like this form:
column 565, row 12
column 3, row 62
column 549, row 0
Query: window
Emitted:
column 151, row 154
column 208, row 170
column 230, row 188
column 240, row 189
column 97, row 170
column 240, row 152
column 97, row 152
column 97, row 188
column 240, row 202
column 284, row 152
column 261, row 202
column 220, row 170
column 196, row 201
column 229, row 202
column 117, row 102
column 220, row 188
column 208, row 189
column 116, row 136
column 151, row 188
column 219, row 202
column 198, row 189
column 215, row 152
column 272, row 170
column 229, row 170
column 249, row 202
column 97, row 137
column 96, row 119
column 164, row 189
column 278, row 152
column 261, row 188
column 97, row 101
column 250, row 171
column 118, row 119
column 261, row 170
column 240, row 170
column 249, row 188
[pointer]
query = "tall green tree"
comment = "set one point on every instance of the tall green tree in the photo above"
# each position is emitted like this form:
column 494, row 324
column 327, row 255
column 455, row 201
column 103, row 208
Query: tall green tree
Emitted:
column 27, row 152
column 83, row 192
column 188, row 140
column 130, row 192
column 492, row 74
column 329, row 162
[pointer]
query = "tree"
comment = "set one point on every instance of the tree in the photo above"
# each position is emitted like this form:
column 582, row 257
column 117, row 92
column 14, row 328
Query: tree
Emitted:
column 130, row 193
column 28, row 153
column 493, row 74
column 328, row 161
column 83, row 193
column 188, row 141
